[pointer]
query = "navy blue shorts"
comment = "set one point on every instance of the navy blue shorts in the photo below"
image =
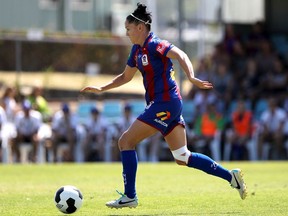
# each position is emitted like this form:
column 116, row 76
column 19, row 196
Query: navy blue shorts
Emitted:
column 164, row 116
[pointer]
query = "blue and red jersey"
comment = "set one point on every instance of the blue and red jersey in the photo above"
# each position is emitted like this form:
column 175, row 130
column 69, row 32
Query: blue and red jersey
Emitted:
column 156, row 69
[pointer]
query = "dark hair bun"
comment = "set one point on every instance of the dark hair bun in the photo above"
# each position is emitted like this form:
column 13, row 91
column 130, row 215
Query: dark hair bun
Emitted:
column 141, row 8
column 141, row 12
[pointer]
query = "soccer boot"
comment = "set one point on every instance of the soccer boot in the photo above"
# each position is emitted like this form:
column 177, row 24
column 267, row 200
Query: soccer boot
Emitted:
column 238, row 183
column 123, row 201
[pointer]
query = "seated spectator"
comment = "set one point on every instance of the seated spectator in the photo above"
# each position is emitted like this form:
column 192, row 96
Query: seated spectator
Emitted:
column 9, row 104
column 148, row 150
column 229, row 38
column 39, row 103
column 240, row 132
column 257, row 34
column 276, row 80
column 272, row 134
column 266, row 57
column 250, row 82
column 64, row 131
column 208, row 127
column 203, row 98
column 238, row 58
column 223, row 83
column 3, row 120
column 27, row 123
column 153, row 147
column 121, row 125
column 94, row 144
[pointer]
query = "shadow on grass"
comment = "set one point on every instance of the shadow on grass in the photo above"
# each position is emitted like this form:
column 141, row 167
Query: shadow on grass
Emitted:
column 160, row 214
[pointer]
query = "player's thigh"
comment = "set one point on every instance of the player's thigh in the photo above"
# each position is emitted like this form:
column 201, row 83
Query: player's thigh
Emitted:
column 176, row 138
column 137, row 132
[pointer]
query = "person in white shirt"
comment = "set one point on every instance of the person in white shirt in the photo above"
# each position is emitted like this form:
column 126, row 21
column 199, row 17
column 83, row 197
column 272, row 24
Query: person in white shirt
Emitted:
column 148, row 150
column 3, row 120
column 64, row 125
column 125, row 120
column 272, row 123
column 96, row 128
column 27, row 124
column 120, row 125
column 9, row 103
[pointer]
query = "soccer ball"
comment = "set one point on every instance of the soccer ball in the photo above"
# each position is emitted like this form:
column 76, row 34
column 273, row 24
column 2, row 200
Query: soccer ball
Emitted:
column 68, row 199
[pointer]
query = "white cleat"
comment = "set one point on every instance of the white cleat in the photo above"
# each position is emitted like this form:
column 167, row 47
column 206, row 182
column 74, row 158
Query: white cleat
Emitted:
column 238, row 183
column 123, row 201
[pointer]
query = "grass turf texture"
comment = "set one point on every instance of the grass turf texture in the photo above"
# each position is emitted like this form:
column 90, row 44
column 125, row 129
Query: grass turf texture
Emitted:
column 163, row 189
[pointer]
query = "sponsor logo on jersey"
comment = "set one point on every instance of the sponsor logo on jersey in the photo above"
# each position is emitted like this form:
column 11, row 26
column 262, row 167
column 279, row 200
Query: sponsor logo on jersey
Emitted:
column 161, row 47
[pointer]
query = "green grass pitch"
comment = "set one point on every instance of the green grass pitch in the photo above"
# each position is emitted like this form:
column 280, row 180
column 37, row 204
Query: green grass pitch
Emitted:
column 163, row 189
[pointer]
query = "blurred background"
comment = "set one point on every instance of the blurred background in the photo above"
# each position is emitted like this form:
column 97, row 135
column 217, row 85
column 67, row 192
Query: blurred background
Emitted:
column 56, row 47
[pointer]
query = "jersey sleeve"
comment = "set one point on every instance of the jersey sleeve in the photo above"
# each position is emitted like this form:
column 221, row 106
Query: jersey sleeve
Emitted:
column 131, row 58
column 163, row 47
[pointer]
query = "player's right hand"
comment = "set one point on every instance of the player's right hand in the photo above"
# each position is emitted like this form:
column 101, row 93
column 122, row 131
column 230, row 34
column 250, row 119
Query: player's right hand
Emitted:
column 92, row 89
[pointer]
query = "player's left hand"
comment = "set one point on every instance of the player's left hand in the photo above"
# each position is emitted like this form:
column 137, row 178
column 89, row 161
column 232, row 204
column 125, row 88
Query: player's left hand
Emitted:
column 202, row 84
column 92, row 89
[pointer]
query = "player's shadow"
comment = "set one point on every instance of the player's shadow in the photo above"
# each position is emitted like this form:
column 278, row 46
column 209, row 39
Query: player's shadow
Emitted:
column 159, row 214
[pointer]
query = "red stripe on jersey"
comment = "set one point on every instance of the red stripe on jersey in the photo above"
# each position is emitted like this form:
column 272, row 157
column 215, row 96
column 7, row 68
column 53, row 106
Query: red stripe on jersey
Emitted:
column 166, row 96
column 135, row 57
column 149, row 73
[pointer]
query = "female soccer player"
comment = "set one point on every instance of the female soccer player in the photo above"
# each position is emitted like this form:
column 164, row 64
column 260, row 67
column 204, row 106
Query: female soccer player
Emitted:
column 152, row 57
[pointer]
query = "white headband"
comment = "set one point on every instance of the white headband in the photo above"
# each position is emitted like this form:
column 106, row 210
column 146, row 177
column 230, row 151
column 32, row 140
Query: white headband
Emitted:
column 146, row 23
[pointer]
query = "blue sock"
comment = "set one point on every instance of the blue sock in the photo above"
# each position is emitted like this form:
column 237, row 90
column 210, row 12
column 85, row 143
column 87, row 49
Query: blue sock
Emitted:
column 129, row 162
column 206, row 164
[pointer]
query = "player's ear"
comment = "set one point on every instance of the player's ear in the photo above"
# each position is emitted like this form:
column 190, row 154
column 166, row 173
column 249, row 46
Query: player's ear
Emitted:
column 140, row 27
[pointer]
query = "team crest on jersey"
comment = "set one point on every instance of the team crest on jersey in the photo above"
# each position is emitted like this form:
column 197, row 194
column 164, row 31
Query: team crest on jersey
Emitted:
column 145, row 60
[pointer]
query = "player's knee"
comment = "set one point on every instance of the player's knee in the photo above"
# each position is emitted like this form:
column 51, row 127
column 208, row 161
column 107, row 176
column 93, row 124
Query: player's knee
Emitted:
column 125, row 143
column 181, row 155
column 121, row 141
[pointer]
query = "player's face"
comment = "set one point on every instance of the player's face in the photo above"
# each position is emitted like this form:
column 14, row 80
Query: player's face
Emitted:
column 133, row 32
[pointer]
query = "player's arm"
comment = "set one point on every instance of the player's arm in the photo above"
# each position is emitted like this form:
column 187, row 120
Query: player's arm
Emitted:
column 186, row 65
column 119, row 80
